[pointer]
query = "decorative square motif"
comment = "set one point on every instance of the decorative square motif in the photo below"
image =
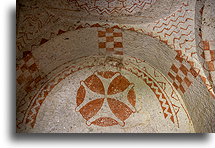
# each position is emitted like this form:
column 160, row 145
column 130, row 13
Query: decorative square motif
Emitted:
column 209, row 55
column 27, row 72
column 111, row 40
column 181, row 74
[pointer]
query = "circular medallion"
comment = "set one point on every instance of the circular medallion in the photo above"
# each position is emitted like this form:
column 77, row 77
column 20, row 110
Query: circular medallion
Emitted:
column 105, row 99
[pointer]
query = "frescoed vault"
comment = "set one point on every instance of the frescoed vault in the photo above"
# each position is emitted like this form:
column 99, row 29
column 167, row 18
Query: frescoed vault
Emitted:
column 115, row 66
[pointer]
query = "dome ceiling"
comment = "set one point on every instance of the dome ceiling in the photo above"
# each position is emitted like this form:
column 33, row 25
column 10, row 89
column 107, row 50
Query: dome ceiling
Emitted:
column 115, row 66
column 112, row 7
column 118, row 11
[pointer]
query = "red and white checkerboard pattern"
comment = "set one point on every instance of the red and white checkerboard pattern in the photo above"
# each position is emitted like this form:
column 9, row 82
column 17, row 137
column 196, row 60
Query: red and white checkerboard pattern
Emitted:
column 110, row 40
column 209, row 54
column 27, row 74
column 209, row 57
column 182, row 74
